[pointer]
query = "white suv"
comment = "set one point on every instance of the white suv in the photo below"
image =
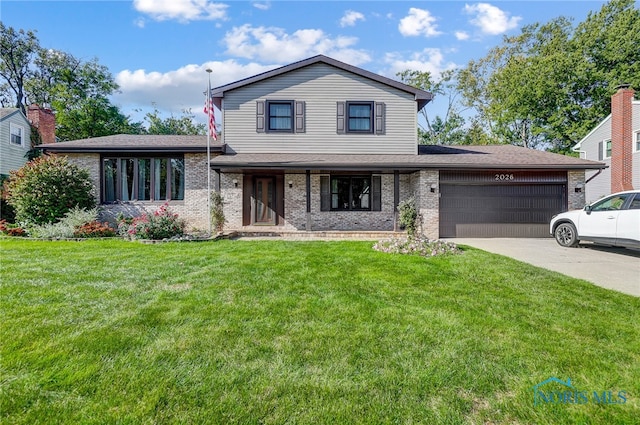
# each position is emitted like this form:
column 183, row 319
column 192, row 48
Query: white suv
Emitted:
column 613, row 220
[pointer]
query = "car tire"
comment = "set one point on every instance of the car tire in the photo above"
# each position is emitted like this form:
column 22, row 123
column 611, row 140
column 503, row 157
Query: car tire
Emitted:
column 566, row 235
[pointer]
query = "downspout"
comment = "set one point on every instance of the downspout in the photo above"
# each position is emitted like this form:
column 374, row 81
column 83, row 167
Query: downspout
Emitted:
column 594, row 176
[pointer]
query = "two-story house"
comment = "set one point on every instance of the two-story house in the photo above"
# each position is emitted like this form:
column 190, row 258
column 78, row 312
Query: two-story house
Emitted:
column 320, row 145
column 616, row 142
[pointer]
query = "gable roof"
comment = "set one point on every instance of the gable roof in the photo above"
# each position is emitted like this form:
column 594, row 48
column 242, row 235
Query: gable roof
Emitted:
column 635, row 109
column 428, row 157
column 5, row 113
column 422, row 97
column 135, row 143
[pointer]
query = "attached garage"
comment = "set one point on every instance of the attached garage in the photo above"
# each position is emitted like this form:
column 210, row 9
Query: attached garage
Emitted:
column 504, row 203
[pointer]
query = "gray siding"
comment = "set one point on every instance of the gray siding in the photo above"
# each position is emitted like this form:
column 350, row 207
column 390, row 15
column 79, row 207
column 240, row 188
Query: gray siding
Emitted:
column 320, row 86
column 12, row 156
column 601, row 185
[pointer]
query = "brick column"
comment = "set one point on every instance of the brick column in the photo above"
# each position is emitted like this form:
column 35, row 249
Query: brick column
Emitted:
column 621, row 139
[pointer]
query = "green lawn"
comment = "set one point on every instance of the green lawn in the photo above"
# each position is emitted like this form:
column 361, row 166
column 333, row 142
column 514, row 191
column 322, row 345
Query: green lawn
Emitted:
column 248, row 332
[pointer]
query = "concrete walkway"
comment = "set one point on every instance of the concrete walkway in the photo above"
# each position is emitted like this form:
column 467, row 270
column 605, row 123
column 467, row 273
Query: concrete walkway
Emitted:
column 611, row 268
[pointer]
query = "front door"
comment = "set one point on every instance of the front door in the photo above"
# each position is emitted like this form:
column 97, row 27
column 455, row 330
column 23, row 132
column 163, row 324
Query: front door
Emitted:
column 265, row 200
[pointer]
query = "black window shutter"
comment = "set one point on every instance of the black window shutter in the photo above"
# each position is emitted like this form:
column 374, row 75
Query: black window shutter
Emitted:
column 376, row 188
column 260, row 123
column 300, row 124
column 340, row 117
column 380, row 117
column 325, row 193
column 600, row 154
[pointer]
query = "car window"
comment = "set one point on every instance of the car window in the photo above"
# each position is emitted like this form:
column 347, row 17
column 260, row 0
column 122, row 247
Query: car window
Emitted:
column 610, row 204
column 635, row 204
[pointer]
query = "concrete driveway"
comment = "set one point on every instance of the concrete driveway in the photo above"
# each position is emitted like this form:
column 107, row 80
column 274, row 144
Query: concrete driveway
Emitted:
column 611, row 268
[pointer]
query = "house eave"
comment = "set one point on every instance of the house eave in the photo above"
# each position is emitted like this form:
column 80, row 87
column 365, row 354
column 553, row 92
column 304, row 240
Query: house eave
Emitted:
column 217, row 149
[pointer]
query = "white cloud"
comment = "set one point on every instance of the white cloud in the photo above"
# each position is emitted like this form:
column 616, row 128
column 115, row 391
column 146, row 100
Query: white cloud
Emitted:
column 274, row 44
column 350, row 18
column 418, row 22
column 262, row 5
column 490, row 19
column 462, row 35
column 181, row 10
column 183, row 88
column 429, row 59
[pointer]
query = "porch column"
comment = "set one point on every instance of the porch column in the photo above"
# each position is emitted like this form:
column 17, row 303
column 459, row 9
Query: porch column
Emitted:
column 396, row 198
column 308, row 190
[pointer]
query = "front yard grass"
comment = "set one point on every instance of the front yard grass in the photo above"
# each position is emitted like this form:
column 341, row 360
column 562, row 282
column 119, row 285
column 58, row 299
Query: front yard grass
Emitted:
column 248, row 332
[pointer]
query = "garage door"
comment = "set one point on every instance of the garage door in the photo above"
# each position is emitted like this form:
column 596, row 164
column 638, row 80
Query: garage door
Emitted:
column 487, row 204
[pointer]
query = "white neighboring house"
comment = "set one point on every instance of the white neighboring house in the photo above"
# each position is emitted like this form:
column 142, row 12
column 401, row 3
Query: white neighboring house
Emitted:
column 15, row 139
column 616, row 142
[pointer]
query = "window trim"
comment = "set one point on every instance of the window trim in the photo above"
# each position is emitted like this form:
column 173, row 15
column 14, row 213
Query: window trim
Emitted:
column 606, row 142
column 371, row 105
column 136, row 180
column 19, row 127
column 636, row 142
column 333, row 177
column 291, row 117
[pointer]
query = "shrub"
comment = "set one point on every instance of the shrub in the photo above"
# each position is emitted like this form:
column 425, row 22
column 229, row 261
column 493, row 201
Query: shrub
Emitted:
column 217, row 211
column 408, row 218
column 162, row 224
column 66, row 227
column 46, row 188
column 11, row 229
column 94, row 229
column 416, row 245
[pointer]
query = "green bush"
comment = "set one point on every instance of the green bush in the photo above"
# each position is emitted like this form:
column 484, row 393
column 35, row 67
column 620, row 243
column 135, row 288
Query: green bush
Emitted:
column 409, row 218
column 66, row 227
column 46, row 188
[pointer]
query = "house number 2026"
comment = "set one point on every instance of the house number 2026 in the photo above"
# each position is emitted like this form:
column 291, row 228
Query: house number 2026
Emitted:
column 502, row 177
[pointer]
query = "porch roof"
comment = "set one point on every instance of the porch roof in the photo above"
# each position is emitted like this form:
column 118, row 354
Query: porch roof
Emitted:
column 135, row 144
column 459, row 157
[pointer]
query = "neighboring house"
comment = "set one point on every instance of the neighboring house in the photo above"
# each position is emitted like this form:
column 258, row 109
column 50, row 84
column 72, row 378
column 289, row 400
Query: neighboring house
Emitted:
column 321, row 145
column 15, row 134
column 616, row 142
column 15, row 139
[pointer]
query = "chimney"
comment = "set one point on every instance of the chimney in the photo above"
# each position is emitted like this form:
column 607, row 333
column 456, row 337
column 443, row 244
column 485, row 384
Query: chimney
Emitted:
column 45, row 121
column 621, row 139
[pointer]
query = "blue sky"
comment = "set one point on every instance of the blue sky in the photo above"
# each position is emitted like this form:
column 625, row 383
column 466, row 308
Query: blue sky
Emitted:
column 158, row 50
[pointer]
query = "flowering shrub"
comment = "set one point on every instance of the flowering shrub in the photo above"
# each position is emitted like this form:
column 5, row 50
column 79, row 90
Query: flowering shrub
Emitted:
column 94, row 229
column 417, row 245
column 409, row 218
column 11, row 229
column 46, row 188
column 162, row 224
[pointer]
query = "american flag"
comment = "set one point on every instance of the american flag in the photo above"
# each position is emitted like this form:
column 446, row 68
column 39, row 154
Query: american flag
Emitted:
column 208, row 109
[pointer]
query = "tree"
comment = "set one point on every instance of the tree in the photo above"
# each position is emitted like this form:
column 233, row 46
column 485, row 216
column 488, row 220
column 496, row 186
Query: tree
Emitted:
column 549, row 85
column 174, row 125
column 46, row 188
column 17, row 49
column 447, row 130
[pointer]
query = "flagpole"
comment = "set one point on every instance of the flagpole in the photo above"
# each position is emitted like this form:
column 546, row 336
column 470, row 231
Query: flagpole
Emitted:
column 210, row 109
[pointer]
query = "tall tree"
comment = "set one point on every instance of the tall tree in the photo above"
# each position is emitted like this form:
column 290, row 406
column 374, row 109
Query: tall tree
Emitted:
column 549, row 85
column 184, row 124
column 438, row 130
column 17, row 49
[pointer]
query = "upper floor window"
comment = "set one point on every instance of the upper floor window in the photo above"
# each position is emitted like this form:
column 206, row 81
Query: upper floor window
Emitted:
column 280, row 116
column 143, row 179
column 637, row 144
column 606, row 146
column 17, row 134
column 360, row 117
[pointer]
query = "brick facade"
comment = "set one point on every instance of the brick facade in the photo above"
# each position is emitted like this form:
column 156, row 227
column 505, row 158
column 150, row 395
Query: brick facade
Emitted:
column 621, row 140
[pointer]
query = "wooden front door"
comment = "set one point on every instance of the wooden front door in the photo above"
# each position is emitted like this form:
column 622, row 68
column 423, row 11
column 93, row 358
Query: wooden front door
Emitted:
column 265, row 200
